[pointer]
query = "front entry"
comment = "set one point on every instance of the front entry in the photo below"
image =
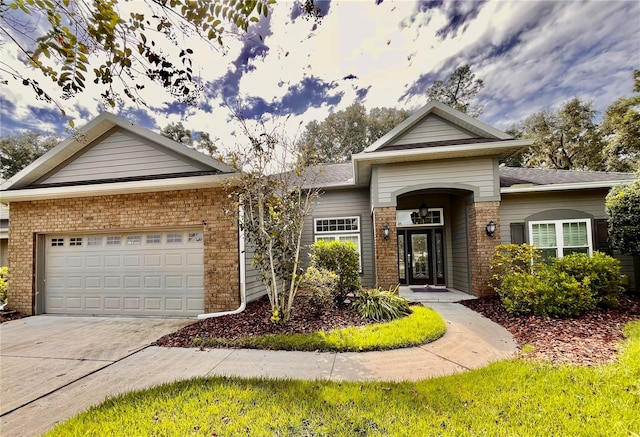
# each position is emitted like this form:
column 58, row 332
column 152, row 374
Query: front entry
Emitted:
column 421, row 257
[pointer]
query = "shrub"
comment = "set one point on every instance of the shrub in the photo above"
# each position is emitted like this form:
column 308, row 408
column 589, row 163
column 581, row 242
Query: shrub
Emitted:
column 547, row 292
column 340, row 257
column 381, row 305
column 601, row 271
column 4, row 283
column 511, row 258
column 623, row 208
column 322, row 284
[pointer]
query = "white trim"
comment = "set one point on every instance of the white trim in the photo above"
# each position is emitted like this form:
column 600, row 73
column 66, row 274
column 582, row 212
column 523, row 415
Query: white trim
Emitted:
column 560, row 247
column 530, row 188
column 419, row 225
column 316, row 231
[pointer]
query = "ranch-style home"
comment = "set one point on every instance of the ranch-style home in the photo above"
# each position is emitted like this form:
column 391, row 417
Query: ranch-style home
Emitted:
column 119, row 220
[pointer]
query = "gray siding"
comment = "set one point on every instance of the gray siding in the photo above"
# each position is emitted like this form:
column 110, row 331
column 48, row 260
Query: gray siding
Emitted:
column 433, row 128
column 515, row 208
column 459, row 245
column 345, row 203
column 254, row 287
column 474, row 173
column 4, row 252
column 121, row 154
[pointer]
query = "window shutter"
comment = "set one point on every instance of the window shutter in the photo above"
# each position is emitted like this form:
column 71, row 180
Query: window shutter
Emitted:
column 601, row 236
column 517, row 233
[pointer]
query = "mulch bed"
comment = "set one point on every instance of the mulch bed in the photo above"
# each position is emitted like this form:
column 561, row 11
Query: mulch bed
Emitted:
column 7, row 316
column 592, row 339
column 254, row 320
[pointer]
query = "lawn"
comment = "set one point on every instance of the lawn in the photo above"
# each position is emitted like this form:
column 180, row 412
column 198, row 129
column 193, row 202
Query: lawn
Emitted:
column 509, row 398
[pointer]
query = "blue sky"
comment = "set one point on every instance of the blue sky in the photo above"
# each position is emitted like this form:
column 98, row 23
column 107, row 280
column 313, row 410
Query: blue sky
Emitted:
column 531, row 55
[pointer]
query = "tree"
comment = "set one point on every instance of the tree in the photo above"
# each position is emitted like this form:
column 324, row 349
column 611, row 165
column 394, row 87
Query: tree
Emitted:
column 75, row 41
column 567, row 138
column 20, row 150
column 346, row 132
column 621, row 130
column 271, row 210
column 200, row 141
column 458, row 91
column 623, row 208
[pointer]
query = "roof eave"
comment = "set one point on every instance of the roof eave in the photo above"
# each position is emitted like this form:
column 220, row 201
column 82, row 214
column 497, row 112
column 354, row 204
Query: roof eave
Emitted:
column 527, row 188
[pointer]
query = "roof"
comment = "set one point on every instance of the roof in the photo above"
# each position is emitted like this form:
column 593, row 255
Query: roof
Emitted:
column 517, row 179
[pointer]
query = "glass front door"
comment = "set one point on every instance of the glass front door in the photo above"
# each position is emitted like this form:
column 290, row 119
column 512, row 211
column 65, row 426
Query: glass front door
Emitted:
column 421, row 257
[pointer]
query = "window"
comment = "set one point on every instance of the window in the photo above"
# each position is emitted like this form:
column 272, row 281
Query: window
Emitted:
column 134, row 240
column 174, row 238
column 411, row 217
column 75, row 241
column 94, row 241
column 195, row 237
column 55, row 242
column 341, row 229
column 113, row 240
column 154, row 238
column 557, row 238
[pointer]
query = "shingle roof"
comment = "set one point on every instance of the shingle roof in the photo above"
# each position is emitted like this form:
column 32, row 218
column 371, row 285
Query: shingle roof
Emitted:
column 510, row 176
column 327, row 175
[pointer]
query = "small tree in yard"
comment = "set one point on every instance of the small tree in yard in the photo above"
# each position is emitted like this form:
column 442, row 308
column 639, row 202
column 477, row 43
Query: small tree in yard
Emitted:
column 271, row 208
column 623, row 209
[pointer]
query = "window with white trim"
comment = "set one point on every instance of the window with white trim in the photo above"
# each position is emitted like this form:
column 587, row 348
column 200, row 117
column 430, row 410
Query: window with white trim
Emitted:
column 113, row 240
column 133, row 240
column 411, row 217
column 339, row 228
column 174, row 238
column 557, row 238
column 154, row 238
column 195, row 237
column 55, row 242
column 94, row 241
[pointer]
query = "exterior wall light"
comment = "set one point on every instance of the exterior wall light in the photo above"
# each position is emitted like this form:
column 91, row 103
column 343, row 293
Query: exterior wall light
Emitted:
column 385, row 231
column 490, row 228
column 424, row 211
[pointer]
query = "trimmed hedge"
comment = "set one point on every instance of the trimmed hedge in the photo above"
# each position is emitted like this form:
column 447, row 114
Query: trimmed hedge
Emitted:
column 340, row 257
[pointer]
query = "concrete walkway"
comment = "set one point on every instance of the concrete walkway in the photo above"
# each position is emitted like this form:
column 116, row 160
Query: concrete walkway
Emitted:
column 471, row 341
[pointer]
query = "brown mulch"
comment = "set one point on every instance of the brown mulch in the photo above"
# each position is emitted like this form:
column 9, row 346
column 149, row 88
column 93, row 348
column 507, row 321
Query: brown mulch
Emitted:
column 7, row 316
column 591, row 339
column 254, row 320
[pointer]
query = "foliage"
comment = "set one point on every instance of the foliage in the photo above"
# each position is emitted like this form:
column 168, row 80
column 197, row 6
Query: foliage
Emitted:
column 200, row 141
column 20, row 150
column 4, row 283
column 322, row 284
column 346, row 132
column 422, row 326
column 600, row 271
column 341, row 257
column 507, row 398
column 381, row 305
column 511, row 258
column 566, row 139
column 621, row 129
column 458, row 91
column 271, row 210
column 623, row 208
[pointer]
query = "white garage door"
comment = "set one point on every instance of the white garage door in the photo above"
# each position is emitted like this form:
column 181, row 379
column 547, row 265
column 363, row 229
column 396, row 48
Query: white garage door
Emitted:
column 149, row 273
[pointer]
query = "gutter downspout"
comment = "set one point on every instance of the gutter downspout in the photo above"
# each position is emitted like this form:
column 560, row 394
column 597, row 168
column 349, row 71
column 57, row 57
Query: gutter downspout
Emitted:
column 243, row 288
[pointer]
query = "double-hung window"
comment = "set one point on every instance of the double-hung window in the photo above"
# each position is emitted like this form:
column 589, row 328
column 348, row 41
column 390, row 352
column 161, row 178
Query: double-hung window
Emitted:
column 557, row 238
column 339, row 228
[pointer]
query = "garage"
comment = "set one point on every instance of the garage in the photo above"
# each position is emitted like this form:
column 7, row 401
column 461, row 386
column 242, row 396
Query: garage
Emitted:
column 150, row 273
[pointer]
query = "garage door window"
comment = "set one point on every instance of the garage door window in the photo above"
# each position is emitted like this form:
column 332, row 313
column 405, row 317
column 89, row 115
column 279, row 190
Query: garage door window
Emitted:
column 134, row 240
column 56, row 242
column 195, row 237
column 94, row 241
column 174, row 238
column 75, row 241
column 113, row 240
column 153, row 238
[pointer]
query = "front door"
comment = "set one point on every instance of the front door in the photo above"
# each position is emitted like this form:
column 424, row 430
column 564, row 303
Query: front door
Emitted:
column 421, row 257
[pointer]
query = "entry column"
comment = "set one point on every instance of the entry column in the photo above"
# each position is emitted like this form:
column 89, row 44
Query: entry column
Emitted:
column 481, row 245
column 386, row 250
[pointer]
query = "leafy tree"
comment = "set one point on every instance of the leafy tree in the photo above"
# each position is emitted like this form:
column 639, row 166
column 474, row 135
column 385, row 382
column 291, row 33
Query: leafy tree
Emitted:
column 621, row 130
column 75, row 41
column 623, row 209
column 458, row 91
column 20, row 150
column 271, row 210
column 567, row 138
column 346, row 132
column 200, row 141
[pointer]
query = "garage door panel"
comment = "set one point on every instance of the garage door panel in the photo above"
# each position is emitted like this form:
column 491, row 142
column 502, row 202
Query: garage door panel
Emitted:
column 159, row 273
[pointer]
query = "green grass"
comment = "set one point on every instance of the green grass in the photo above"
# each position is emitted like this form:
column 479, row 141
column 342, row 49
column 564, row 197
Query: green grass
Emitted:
column 508, row 398
column 424, row 325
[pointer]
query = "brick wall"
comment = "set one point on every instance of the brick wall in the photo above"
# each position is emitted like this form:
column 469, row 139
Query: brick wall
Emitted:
column 386, row 250
column 167, row 209
column 482, row 246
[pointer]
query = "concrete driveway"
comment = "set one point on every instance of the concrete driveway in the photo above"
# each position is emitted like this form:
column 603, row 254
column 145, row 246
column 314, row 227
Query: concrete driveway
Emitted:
column 39, row 355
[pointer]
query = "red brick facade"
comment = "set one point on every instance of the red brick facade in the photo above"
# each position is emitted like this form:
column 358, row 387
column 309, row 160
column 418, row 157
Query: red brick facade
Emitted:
column 167, row 209
column 481, row 246
column 386, row 251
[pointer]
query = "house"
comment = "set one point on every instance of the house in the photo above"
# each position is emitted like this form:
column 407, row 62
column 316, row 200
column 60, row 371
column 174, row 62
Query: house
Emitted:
column 119, row 220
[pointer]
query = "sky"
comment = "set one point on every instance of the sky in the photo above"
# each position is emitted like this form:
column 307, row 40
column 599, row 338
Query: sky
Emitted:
column 531, row 55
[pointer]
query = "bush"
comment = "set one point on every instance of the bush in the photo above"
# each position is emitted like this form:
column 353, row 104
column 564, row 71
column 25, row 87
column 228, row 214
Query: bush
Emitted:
column 511, row 258
column 4, row 283
column 381, row 305
column 546, row 292
column 601, row 271
column 623, row 208
column 322, row 284
column 340, row 257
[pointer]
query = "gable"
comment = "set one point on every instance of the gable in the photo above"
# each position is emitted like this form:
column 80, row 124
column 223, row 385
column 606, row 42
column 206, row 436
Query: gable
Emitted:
column 432, row 129
column 121, row 154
